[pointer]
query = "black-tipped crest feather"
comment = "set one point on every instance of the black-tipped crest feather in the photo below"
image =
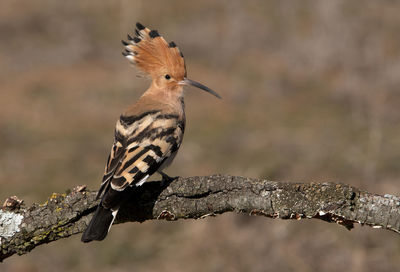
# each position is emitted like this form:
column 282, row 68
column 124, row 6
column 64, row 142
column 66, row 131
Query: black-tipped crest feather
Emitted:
column 139, row 26
column 154, row 55
column 149, row 133
column 153, row 34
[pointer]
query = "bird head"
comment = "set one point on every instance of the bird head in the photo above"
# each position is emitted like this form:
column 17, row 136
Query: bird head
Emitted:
column 163, row 61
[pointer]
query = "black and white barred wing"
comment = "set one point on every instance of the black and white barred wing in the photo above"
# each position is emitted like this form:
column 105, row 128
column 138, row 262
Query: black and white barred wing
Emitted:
column 113, row 163
column 142, row 146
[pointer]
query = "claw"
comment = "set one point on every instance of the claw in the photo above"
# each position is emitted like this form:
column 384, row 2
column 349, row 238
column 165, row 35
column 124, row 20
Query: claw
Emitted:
column 165, row 178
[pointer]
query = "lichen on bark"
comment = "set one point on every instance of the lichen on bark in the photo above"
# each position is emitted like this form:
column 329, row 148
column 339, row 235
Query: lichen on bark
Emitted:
column 64, row 215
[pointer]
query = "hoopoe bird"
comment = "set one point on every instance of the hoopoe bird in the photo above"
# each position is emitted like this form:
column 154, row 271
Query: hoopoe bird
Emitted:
column 149, row 133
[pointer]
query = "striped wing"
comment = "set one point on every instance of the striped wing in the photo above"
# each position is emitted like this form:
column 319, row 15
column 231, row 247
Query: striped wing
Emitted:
column 113, row 163
column 142, row 145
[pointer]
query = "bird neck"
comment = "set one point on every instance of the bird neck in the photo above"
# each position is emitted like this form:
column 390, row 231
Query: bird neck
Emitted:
column 168, row 100
column 171, row 94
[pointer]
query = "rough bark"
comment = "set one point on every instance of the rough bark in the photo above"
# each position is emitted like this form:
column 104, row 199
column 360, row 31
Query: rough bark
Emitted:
column 24, row 228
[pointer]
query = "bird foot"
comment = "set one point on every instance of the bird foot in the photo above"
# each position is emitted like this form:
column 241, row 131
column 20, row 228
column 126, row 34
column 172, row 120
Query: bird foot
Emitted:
column 166, row 179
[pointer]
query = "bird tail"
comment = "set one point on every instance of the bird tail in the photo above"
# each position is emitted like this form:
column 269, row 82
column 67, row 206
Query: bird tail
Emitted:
column 99, row 225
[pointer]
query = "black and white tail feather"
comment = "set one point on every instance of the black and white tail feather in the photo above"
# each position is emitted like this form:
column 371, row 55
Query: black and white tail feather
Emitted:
column 144, row 143
column 134, row 157
column 100, row 225
column 149, row 133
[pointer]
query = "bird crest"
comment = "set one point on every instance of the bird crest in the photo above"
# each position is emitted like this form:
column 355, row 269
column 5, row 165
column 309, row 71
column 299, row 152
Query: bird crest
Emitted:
column 151, row 53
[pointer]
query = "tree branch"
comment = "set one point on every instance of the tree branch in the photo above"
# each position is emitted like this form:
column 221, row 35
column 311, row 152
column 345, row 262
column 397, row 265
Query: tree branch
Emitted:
column 22, row 229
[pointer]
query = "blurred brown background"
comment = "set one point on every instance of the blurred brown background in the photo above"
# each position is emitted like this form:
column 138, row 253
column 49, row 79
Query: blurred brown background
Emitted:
column 311, row 93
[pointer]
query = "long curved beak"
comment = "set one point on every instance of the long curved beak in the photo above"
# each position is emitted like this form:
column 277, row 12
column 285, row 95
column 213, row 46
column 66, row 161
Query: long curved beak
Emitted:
column 187, row 81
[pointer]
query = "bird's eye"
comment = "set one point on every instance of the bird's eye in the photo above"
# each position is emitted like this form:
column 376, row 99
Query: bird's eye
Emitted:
column 167, row 76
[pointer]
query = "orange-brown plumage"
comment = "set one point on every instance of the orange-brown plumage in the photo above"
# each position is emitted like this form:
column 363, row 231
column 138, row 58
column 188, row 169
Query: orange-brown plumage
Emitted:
column 153, row 55
column 149, row 133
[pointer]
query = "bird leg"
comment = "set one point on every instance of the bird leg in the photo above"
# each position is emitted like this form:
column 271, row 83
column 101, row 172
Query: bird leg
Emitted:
column 165, row 178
